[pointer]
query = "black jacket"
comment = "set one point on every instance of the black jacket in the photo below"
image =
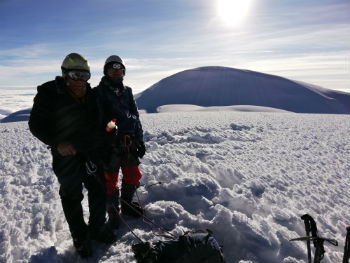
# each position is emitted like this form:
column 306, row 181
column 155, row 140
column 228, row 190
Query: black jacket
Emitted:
column 117, row 102
column 58, row 117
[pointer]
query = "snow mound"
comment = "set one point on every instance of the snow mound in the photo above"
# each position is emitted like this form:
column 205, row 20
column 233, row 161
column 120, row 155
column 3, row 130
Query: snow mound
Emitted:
column 245, row 108
column 4, row 113
column 22, row 115
column 247, row 176
column 222, row 86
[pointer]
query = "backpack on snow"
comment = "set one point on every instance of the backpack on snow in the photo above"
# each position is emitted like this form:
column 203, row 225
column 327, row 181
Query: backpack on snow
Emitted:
column 190, row 248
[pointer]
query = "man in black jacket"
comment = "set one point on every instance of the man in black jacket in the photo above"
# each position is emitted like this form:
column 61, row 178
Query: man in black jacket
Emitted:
column 65, row 116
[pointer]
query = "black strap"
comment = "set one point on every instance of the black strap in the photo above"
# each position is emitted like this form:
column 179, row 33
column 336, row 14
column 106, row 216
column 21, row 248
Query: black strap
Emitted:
column 347, row 246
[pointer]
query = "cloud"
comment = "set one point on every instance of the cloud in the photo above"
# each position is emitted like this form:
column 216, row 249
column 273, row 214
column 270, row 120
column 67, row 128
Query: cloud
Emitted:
column 27, row 71
column 24, row 52
column 327, row 69
column 310, row 49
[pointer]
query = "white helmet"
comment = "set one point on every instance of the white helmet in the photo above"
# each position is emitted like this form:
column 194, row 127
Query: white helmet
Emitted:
column 113, row 59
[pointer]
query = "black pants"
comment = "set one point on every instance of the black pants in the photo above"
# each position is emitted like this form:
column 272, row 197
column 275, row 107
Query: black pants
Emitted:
column 71, row 174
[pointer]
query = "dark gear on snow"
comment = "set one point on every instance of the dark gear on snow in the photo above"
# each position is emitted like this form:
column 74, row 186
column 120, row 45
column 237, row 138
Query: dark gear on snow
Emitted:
column 190, row 248
column 311, row 228
column 347, row 246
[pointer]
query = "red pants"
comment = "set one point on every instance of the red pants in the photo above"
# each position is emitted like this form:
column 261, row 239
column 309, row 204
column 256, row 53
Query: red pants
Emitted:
column 131, row 175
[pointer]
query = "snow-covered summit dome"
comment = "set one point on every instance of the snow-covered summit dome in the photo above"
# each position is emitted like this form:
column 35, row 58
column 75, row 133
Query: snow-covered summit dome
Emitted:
column 223, row 86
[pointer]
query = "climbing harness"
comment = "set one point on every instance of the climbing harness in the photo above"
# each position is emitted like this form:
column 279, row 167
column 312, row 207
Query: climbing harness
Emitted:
column 126, row 143
column 91, row 168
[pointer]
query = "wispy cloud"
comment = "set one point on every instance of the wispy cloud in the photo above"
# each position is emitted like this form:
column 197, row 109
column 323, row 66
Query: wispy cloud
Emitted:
column 23, row 52
column 320, row 68
column 305, row 42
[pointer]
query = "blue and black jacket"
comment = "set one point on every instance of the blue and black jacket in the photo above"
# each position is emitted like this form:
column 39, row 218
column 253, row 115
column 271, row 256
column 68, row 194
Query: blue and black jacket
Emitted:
column 117, row 102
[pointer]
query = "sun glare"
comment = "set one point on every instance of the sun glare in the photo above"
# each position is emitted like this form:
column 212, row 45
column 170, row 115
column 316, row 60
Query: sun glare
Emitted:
column 232, row 12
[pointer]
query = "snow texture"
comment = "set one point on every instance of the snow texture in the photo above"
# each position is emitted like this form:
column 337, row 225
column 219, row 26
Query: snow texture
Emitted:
column 246, row 176
column 222, row 86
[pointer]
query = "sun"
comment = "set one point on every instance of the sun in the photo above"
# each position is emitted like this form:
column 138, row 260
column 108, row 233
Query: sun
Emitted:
column 232, row 12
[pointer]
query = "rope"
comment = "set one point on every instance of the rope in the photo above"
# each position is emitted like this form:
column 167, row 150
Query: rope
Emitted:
column 146, row 220
column 149, row 221
column 149, row 186
column 127, row 225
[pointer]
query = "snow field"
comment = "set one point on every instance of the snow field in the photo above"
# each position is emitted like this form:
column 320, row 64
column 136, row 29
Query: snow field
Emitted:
column 28, row 194
column 246, row 176
column 249, row 177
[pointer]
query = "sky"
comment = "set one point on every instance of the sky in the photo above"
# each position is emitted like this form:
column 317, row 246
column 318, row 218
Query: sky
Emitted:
column 302, row 40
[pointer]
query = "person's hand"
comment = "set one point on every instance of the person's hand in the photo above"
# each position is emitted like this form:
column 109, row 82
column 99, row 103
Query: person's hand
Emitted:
column 111, row 125
column 66, row 149
column 141, row 149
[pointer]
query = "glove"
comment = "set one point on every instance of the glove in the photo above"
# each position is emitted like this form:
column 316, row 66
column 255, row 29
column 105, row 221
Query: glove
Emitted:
column 141, row 149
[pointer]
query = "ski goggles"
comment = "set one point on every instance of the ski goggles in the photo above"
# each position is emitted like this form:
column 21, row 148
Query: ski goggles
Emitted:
column 116, row 66
column 79, row 75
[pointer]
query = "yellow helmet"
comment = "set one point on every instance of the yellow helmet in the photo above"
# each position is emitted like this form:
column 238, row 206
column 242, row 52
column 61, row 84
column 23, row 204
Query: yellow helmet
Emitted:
column 74, row 61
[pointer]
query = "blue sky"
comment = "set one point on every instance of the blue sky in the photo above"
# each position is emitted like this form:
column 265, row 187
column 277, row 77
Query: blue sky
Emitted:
column 303, row 40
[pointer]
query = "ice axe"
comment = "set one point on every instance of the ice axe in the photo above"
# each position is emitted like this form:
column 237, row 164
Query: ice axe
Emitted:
column 307, row 223
column 310, row 227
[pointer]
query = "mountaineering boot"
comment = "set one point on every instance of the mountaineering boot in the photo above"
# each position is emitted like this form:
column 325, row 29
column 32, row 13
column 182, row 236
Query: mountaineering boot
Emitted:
column 112, row 206
column 82, row 245
column 129, row 207
column 103, row 234
column 73, row 212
